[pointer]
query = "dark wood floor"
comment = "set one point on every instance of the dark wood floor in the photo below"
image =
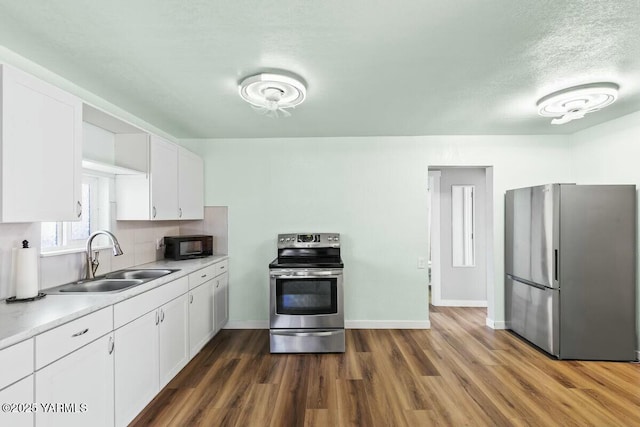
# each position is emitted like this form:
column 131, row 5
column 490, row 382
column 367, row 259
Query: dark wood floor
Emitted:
column 456, row 374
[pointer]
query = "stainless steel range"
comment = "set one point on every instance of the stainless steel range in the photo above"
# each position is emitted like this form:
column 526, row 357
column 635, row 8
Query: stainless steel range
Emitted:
column 306, row 295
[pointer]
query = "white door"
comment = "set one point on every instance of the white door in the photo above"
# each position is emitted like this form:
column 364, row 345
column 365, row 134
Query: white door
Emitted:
column 136, row 366
column 174, row 338
column 164, row 179
column 200, row 316
column 78, row 388
column 190, row 185
column 221, row 298
column 20, row 393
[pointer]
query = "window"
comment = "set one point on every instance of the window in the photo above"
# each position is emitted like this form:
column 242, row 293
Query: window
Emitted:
column 58, row 236
column 463, row 224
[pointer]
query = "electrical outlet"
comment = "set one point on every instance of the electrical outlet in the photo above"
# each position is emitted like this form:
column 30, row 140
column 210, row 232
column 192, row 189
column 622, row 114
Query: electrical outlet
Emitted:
column 159, row 243
column 422, row 262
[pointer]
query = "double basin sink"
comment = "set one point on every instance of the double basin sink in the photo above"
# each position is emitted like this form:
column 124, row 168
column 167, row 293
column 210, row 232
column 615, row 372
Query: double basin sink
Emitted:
column 111, row 282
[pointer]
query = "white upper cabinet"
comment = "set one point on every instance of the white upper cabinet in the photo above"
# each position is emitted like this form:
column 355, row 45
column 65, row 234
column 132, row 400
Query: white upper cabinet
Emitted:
column 190, row 185
column 172, row 187
column 41, row 150
column 164, row 179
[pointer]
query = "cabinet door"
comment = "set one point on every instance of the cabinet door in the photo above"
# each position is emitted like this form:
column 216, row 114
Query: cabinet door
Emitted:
column 41, row 150
column 221, row 300
column 19, row 393
column 164, row 179
column 77, row 390
column 200, row 316
column 174, row 338
column 190, row 185
column 136, row 366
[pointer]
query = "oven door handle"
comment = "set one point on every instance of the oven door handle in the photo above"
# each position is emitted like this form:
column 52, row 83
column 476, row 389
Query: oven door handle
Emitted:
column 303, row 334
column 302, row 274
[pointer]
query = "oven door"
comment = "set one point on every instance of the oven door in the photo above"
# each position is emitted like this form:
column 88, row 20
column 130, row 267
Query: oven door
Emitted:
column 306, row 298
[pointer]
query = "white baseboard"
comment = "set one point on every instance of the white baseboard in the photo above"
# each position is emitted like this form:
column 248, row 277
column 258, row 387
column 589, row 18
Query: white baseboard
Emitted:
column 247, row 324
column 461, row 303
column 349, row 324
column 387, row 324
column 493, row 324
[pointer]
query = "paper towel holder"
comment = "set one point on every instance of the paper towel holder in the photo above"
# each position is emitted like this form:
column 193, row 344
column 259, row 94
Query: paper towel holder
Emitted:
column 11, row 300
column 40, row 295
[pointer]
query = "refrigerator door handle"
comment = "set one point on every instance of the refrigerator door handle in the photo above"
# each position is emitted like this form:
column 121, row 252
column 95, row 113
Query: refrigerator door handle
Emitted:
column 527, row 282
column 555, row 265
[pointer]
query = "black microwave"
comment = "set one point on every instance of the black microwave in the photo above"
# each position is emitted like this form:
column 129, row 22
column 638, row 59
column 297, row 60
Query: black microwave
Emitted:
column 187, row 247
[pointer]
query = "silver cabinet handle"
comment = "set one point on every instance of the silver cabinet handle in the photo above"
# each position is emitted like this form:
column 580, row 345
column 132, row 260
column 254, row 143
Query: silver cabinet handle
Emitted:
column 191, row 299
column 217, row 284
column 161, row 315
column 154, row 211
column 77, row 334
column 79, row 209
column 179, row 212
column 112, row 345
column 157, row 318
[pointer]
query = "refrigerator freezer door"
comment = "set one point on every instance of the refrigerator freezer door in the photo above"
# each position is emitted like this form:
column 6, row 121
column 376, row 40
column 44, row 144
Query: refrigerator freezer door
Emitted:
column 533, row 313
column 531, row 234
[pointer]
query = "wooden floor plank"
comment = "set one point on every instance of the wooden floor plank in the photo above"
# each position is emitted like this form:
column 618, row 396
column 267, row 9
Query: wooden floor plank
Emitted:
column 458, row 373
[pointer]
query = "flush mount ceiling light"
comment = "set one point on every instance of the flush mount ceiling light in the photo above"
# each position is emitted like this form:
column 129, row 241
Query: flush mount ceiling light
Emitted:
column 272, row 94
column 574, row 102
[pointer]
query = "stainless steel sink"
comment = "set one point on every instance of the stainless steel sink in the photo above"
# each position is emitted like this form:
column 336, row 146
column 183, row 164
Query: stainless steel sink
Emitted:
column 138, row 274
column 101, row 285
column 112, row 282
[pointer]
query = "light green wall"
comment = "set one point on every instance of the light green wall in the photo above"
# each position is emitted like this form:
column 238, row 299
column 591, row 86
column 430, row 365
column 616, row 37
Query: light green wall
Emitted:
column 372, row 191
column 610, row 154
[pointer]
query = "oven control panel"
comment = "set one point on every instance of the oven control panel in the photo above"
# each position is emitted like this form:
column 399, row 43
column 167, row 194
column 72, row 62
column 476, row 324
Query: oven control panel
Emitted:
column 309, row 240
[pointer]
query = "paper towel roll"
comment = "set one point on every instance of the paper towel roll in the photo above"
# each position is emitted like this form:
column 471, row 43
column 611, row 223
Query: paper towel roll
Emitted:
column 26, row 272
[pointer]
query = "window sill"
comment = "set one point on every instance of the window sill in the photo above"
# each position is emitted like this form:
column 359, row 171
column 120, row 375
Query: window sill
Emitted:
column 67, row 251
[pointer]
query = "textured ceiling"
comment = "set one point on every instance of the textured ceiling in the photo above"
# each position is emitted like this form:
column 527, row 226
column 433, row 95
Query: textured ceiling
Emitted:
column 372, row 67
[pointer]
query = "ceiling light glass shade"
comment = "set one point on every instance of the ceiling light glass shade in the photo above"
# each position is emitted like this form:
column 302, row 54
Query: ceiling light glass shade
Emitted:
column 271, row 94
column 574, row 102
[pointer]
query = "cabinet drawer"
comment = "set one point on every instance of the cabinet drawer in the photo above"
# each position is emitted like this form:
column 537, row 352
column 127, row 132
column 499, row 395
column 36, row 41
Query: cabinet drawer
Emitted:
column 199, row 277
column 131, row 309
column 64, row 339
column 221, row 267
column 16, row 362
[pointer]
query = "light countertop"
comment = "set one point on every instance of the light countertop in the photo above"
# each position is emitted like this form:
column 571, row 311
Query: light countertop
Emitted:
column 21, row 321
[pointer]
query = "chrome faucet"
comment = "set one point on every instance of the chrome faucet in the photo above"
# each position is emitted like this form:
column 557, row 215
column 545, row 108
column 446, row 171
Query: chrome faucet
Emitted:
column 92, row 262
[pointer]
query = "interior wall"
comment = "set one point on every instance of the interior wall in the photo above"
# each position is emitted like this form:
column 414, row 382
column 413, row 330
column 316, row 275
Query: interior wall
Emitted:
column 609, row 154
column 460, row 285
column 371, row 190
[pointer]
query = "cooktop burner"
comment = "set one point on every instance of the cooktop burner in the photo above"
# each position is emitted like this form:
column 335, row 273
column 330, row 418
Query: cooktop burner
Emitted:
column 318, row 250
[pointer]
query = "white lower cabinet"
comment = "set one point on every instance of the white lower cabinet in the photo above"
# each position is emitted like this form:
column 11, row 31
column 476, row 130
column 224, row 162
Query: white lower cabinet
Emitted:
column 102, row 369
column 136, row 366
column 174, row 338
column 23, row 405
column 151, row 349
column 201, row 320
column 221, row 301
column 77, row 390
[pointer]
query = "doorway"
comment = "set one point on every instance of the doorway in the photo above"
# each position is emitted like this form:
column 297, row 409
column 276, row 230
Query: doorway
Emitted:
column 461, row 236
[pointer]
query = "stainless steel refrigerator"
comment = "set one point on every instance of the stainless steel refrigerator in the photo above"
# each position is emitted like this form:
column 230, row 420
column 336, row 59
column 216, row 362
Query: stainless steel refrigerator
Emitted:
column 570, row 264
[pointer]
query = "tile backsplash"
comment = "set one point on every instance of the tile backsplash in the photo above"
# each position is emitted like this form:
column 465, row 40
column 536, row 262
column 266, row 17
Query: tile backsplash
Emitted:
column 137, row 240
